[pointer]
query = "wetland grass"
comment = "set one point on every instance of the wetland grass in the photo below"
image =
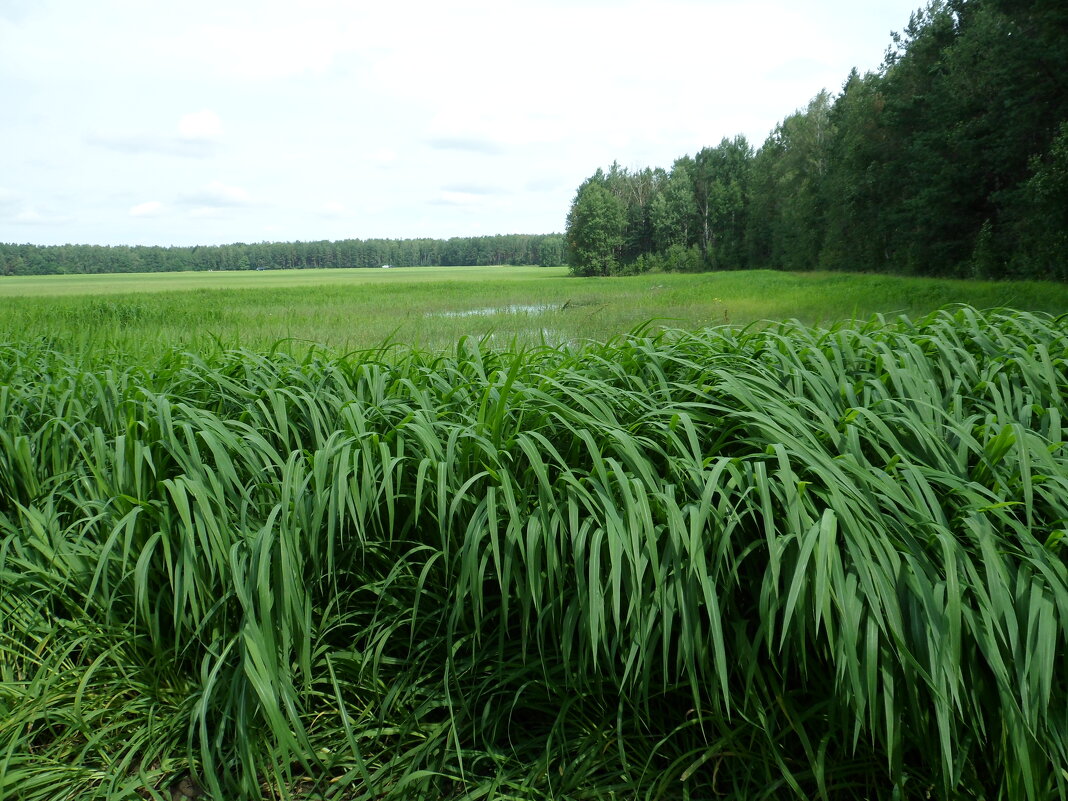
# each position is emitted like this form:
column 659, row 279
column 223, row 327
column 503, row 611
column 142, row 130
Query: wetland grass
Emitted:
column 431, row 308
column 783, row 561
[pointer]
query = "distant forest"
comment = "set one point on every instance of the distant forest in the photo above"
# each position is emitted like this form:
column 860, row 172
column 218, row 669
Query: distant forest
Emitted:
column 547, row 250
column 951, row 159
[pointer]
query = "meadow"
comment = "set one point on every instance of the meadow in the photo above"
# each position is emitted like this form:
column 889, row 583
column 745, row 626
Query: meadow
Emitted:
column 815, row 559
column 431, row 308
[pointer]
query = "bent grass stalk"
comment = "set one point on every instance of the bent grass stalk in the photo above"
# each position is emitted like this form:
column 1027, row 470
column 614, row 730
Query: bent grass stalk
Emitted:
column 762, row 563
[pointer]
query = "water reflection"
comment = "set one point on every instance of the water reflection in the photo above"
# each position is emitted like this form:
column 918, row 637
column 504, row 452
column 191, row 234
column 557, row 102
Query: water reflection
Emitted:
column 536, row 308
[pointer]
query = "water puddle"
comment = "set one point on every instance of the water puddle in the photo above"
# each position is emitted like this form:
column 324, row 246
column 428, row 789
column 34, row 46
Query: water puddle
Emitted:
column 493, row 311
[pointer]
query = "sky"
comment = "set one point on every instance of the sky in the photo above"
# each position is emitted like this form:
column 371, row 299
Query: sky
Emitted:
column 220, row 121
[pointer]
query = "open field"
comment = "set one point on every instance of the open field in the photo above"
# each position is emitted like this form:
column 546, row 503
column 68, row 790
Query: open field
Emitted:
column 433, row 307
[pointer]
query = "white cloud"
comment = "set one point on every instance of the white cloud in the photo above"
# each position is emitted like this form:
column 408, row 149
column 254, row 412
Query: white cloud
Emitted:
column 150, row 208
column 200, row 125
column 545, row 183
column 278, row 42
column 385, row 156
column 493, row 129
column 217, row 193
column 198, row 135
column 474, row 189
column 16, row 10
column 140, row 142
column 448, row 197
column 206, row 213
column 33, row 216
column 468, row 144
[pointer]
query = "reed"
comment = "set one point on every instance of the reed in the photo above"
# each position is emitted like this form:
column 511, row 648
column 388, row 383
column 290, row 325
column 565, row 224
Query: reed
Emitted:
column 776, row 562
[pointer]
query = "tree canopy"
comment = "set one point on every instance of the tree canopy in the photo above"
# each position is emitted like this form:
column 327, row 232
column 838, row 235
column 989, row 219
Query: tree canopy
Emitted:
column 546, row 250
column 950, row 159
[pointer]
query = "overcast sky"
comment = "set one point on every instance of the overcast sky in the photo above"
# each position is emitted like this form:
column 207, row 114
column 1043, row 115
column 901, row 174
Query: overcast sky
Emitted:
column 215, row 121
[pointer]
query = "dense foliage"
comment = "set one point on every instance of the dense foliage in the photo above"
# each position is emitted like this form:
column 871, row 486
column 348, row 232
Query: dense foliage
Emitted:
column 952, row 159
column 771, row 563
column 546, row 250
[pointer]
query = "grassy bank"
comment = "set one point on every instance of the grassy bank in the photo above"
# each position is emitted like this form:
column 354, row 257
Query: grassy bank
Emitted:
column 433, row 307
column 786, row 562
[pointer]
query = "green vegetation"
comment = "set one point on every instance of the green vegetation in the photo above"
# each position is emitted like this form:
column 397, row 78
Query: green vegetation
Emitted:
column 778, row 562
column 453, row 533
column 253, row 547
column 432, row 307
column 544, row 249
column 952, row 159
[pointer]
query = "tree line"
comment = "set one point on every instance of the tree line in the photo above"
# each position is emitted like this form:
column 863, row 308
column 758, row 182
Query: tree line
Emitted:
column 950, row 159
column 546, row 249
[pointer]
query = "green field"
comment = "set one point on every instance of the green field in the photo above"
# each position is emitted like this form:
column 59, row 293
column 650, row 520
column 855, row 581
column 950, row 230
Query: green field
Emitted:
column 752, row 563
column 433, row 307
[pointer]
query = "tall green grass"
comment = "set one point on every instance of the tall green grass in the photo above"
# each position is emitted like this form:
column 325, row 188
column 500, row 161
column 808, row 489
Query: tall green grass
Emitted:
column 779, row 562
column 431, row 308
